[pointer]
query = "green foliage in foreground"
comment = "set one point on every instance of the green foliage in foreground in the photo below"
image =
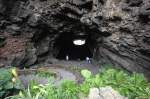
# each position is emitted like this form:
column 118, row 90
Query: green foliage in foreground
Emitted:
column 67, row 90
column 9, row 83
column 45, row 73
column 132, row 86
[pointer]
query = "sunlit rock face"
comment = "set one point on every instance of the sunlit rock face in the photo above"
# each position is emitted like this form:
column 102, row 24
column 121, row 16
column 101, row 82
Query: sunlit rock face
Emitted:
column 118, row 30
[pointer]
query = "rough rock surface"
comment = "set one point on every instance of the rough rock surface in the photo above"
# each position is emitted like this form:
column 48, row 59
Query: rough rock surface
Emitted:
column 104, row 93
column 120, row 28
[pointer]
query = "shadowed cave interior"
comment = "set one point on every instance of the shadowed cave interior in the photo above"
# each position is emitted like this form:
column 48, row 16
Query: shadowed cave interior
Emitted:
column 66, row 47
column 36, row 36
column 38, row 31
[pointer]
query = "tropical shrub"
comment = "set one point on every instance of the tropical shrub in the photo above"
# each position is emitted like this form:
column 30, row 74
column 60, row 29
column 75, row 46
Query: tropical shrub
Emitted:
column 133, row 86
column 9, row 82
column 45, row 73
column 67, row 90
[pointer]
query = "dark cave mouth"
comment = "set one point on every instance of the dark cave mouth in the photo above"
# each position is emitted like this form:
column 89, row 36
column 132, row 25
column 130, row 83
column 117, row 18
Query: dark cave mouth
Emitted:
column 77, row 46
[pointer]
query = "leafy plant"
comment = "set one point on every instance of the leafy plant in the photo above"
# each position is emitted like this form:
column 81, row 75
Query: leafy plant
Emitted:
column 133, row 86
column 67, row 90
column 45, row 73
column 86, row 74
column 9, row 82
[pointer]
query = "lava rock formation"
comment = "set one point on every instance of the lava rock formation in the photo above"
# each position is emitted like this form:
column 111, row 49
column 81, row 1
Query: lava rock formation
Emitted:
column 118, row 30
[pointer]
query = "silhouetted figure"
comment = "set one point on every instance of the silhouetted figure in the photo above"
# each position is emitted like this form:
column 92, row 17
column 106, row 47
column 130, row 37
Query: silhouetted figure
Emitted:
column 88, row 59
column 67, row 57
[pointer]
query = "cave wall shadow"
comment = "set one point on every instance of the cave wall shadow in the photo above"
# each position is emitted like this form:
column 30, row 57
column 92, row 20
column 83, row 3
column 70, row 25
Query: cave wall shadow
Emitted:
column 65, row 47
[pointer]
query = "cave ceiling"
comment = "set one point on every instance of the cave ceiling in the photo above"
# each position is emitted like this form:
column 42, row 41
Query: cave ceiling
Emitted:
column 119, row 28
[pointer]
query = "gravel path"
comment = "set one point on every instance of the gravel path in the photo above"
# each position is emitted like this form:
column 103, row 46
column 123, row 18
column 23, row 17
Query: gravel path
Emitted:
column 65, row 70
column 94, row 68
column 61, row 74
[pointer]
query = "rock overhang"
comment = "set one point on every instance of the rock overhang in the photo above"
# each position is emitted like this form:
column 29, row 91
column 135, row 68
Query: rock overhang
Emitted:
column 120, row 28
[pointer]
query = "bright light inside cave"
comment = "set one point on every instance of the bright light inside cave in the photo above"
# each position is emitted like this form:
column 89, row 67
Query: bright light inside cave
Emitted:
column 79, row 42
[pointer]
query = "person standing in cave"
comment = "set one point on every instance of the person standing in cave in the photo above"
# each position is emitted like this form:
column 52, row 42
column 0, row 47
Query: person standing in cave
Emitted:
column 67, row 57
column 88, row 59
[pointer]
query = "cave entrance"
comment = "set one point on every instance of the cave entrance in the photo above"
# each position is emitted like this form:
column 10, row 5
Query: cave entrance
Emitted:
column 76, row 46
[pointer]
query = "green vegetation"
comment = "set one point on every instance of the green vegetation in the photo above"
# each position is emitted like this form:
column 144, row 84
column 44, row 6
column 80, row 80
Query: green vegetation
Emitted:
column 133, row 86
column 9, row 83
column 67, row 90
column 44, row 73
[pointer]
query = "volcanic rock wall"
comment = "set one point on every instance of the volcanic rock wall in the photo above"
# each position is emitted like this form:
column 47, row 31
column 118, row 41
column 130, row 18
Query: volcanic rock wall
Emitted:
column 121, row 29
